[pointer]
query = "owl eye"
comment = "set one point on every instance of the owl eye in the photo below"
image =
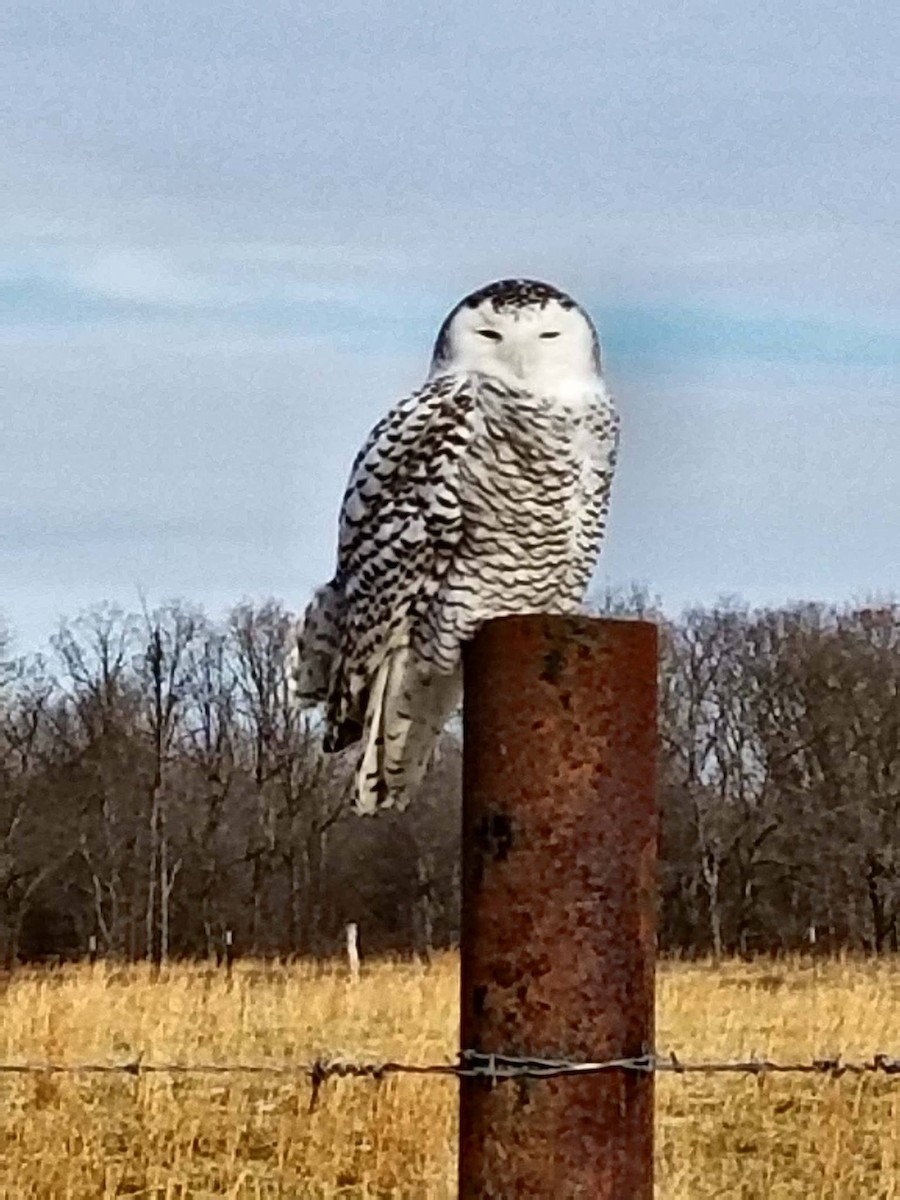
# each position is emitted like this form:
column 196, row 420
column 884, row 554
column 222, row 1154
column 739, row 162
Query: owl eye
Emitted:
column 550, row 333
column 491, row 333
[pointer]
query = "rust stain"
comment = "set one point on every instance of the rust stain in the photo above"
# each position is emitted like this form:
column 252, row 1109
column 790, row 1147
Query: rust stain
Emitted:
column 554, row 662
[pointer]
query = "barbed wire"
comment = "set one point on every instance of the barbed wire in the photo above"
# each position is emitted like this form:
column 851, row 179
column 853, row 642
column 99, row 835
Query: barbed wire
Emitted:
column 474, row 1064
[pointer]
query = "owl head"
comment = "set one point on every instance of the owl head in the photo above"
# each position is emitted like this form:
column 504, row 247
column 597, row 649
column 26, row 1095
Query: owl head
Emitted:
column 524, row 332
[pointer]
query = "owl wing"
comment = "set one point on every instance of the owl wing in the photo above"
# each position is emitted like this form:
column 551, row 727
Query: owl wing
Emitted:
column 400, row 524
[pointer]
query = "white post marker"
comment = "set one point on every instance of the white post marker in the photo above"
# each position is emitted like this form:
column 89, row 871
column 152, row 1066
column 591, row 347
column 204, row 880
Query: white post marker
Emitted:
column 353, row 950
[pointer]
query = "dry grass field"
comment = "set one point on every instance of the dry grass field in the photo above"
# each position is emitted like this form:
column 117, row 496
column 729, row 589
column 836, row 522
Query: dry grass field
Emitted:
column 244, row 1136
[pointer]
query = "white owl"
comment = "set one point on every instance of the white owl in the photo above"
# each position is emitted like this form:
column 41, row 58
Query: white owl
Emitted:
column 483, row 494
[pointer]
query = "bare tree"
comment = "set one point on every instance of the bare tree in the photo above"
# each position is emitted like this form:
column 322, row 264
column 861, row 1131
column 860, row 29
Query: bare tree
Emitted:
column 27, row 857
column 94, row 727
column 163, row 674
column 300, row 792
column 210, row 751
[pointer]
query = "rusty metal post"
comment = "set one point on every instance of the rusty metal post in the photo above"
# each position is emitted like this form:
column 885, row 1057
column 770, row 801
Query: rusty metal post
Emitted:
column 559, row 847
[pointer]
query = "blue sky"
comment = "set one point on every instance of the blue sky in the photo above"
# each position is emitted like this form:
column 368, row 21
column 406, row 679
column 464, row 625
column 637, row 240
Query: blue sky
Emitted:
column 228, row 235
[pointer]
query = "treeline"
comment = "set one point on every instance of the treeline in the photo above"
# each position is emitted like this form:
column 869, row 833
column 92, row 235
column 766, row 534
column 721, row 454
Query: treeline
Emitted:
column 160, row 794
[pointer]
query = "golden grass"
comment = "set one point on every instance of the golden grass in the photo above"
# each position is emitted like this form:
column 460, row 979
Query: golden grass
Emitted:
column 241, row 1136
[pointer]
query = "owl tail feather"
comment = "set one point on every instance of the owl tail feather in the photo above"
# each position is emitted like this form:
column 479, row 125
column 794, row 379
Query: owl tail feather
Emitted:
column 409, row 704
column 311, row 662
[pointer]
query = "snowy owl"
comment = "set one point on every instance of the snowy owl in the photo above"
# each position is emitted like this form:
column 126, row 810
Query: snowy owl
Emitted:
column 483, row 494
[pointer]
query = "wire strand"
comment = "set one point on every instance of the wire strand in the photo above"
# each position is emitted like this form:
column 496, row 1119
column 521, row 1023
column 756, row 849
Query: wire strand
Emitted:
column 473, row 1064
